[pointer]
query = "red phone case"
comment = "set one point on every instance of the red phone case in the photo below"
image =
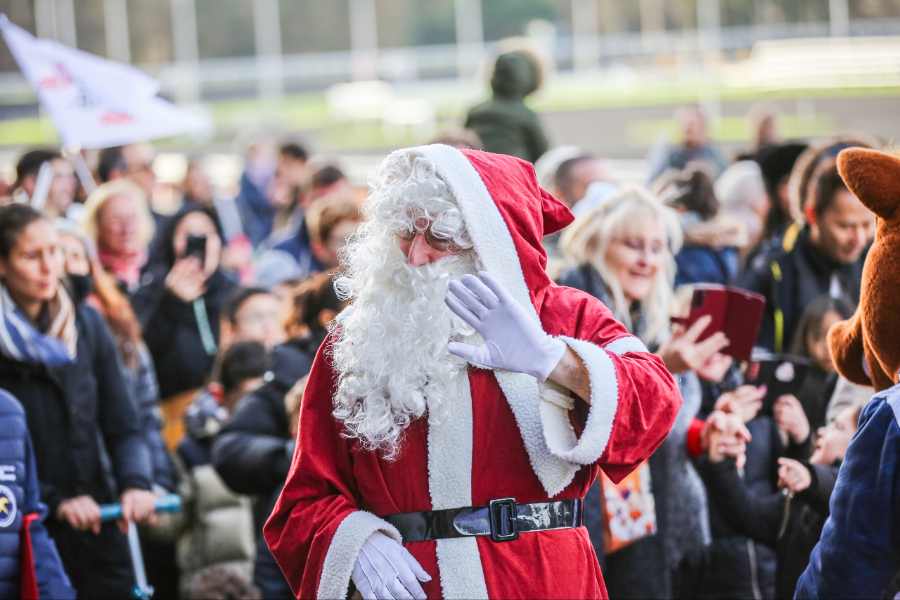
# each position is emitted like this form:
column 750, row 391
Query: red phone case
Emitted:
column 734, row 311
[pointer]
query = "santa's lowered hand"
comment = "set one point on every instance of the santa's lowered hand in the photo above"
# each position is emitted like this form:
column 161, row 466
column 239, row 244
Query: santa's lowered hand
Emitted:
column 385, row 569
column 514, row 339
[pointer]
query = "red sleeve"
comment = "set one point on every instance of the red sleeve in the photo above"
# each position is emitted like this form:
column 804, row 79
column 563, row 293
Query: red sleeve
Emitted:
column 693, row 439
column 647, row 402
column 316, row 528
column 634, row 398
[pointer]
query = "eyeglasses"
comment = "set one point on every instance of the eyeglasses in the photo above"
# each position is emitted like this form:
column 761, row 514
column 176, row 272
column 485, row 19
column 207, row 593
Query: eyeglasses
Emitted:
column 424, row 227
column 652, row 247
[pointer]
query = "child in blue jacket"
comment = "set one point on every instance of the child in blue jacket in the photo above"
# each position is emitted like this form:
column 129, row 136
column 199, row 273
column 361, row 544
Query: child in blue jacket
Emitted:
column 30, row 566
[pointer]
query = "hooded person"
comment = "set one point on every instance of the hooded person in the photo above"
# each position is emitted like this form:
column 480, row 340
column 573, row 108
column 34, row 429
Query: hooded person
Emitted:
column 451, row 420
column 504, row 123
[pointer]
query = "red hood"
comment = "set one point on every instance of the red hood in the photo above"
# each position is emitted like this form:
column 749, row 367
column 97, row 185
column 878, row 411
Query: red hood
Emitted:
column 527, row 211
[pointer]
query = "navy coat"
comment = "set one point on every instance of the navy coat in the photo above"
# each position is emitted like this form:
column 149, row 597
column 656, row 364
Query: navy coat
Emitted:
column 859, row 551
column 19, row 496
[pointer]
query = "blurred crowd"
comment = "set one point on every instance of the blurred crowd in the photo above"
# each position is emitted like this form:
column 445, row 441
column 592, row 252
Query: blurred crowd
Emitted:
column 161, row 346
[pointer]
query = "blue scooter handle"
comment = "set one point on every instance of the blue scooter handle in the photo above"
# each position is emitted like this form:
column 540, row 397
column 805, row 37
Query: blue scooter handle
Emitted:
column 170, row 503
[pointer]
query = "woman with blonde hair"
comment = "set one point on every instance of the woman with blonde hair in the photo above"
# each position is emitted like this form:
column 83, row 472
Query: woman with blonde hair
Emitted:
column 97, row 288
column 117, row 219
column 625, row 250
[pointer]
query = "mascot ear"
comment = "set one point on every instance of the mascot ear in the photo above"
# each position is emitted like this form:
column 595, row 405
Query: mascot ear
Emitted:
column 874, row 177
column 845, row 342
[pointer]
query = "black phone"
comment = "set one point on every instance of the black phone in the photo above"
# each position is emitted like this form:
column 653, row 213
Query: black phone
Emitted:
column 780, row 373
column 196, row 246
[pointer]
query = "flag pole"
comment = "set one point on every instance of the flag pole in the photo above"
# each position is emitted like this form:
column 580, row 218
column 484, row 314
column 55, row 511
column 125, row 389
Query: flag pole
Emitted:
column 73, row 153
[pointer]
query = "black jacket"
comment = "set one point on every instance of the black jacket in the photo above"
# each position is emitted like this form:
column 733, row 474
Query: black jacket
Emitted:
column 253, row 452
column 87, row 440
column 815, row 394
column 792, row 525
column 738, row 565
column 83, row 420
column 790, row 280
column 173, row 330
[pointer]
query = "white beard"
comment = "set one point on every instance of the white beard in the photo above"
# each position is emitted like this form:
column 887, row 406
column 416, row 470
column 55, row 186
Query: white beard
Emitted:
column 391, row 350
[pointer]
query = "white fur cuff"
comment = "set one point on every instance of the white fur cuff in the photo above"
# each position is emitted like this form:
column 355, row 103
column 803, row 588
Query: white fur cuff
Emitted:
column 628, row 343
column 558, row 431
column 346, row 543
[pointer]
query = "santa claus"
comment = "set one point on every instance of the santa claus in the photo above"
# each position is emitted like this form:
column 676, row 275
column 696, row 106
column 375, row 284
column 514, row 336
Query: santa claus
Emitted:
column 461, row 408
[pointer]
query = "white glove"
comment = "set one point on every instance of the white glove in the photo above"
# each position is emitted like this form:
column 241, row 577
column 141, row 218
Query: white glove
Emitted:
column 385, row 569
column 514, row 339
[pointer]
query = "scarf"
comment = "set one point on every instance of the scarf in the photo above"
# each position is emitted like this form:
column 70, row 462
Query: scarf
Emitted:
column 125, row 267
column 22, row 341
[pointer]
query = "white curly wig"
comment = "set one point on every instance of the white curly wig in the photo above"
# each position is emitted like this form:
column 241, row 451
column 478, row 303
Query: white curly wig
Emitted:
column 390, row 351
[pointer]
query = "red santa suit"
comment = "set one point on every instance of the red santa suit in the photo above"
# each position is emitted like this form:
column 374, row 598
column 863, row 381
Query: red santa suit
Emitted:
column 502, row 437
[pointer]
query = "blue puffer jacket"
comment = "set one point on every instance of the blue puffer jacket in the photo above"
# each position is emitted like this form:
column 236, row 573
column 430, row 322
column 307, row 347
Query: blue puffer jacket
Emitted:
column 19, row 496
column 859, row 551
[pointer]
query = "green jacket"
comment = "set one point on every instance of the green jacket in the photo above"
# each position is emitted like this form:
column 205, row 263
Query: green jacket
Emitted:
column 504, row 124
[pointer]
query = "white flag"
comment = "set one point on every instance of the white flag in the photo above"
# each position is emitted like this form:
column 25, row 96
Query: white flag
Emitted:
column 94, row 102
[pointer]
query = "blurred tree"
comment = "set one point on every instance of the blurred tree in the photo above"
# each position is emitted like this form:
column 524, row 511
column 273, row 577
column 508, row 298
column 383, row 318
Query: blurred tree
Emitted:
column 434, row 23
column 91, row 32
column 871, row 9
column 505, row 18
column 150, row 28
column 225, row 28
column 314, row 26
column 618, row 17
column 802, row 11
column 20, row 12
column 737, row 12
column 681, row 14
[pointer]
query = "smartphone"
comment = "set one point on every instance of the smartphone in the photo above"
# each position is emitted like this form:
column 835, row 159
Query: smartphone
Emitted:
column 196, row 246
column 736, row 312
column 780, row 373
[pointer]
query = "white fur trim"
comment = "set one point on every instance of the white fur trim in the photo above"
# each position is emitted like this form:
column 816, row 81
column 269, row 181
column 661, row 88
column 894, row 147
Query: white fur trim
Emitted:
column 558, row 431
column 497, row 252
column 629, row 343
column 450, row 449
column 462, row 575
column 450, row 486
column 345, row 545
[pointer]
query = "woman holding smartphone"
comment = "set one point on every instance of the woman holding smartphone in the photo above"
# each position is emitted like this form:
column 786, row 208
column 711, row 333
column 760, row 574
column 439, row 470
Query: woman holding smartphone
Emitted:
column 179, row 303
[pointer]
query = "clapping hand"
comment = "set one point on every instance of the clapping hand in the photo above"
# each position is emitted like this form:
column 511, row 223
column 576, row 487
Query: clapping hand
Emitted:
column 791, row 418
column 744, row 401
column 793, row 476
column 725, row 436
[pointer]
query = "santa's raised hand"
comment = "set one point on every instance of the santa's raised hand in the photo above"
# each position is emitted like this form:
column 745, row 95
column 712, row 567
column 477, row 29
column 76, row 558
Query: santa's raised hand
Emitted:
column 514, row 339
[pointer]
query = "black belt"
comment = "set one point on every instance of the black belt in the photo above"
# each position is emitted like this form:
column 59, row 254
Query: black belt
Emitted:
column 502, row 519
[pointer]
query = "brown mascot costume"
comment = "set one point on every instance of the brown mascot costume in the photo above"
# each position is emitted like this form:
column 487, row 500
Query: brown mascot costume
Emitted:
column 858, row 554
column 866, row 348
